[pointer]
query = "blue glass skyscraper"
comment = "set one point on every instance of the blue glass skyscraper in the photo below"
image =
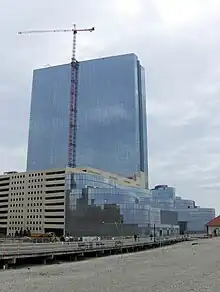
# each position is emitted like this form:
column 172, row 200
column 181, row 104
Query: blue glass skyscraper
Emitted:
column 111, row 127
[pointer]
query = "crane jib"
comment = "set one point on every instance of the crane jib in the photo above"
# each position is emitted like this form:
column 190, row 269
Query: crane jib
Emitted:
column 73, row 90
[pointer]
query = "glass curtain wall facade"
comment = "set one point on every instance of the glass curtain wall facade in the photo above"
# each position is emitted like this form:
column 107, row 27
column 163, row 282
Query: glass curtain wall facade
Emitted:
column 48, row 125
column 96, row 206
column 191, row 218
column 111, row 119
column 163, row 197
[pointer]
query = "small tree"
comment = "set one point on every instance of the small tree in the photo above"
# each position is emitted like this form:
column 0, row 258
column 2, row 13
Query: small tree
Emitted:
column 16, row 233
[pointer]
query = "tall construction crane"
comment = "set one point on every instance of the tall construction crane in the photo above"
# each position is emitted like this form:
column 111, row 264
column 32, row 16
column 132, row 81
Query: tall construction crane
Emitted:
column 72, row 131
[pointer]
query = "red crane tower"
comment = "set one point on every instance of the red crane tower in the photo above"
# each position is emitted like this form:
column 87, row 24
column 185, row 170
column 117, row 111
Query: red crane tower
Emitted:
column 72, row 131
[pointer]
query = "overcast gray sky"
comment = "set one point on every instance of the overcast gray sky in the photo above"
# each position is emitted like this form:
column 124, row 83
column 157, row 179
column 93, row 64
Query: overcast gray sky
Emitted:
column 177, row 41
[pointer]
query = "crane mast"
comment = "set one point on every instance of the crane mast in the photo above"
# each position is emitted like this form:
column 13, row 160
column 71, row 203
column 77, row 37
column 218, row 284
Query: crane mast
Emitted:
column 73, row 98
column 73, row 105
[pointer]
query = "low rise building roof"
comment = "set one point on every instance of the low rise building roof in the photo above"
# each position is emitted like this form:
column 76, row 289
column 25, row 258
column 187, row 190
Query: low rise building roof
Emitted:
column 214, row 222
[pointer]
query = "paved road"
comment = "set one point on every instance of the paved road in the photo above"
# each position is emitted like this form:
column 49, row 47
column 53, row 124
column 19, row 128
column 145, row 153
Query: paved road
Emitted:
column 179, row 268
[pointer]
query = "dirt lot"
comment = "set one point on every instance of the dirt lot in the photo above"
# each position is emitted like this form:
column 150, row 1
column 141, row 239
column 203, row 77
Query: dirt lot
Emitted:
column 179, row 268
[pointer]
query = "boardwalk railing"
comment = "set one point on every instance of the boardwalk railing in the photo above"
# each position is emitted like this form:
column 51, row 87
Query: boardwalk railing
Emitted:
column 19, row 250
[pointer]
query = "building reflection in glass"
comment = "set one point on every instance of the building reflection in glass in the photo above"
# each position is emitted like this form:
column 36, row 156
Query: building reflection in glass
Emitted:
column 96, row 206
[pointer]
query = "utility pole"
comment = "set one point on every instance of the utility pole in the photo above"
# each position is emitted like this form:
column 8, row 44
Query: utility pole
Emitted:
column 73, row 99
column 154, row 233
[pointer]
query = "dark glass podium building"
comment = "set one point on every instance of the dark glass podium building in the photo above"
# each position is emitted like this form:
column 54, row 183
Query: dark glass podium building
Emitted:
column 112, row 123
column 100, row 205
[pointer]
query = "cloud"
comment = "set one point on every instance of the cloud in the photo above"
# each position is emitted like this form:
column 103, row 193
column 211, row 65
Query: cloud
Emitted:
column 178, row 44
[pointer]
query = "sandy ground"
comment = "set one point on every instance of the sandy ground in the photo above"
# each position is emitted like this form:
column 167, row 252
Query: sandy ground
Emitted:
column 180, row 268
